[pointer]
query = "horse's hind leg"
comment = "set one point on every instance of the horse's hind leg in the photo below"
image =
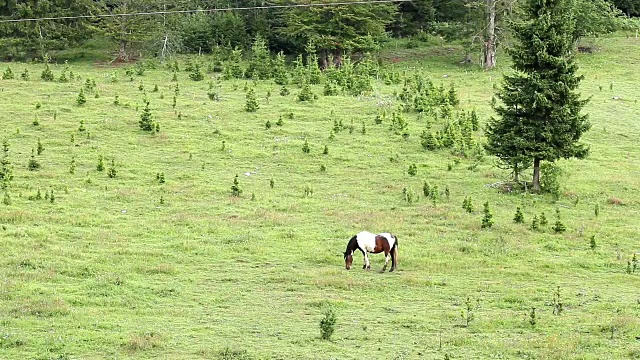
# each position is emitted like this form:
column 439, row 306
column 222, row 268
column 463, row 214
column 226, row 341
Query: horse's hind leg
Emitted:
column 386, row 261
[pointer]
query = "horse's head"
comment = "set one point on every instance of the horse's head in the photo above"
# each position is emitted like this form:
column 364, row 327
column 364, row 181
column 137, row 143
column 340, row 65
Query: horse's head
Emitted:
column 348, row 259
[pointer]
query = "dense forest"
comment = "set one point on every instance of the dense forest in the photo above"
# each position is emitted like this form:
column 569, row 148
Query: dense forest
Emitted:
column 330, row 30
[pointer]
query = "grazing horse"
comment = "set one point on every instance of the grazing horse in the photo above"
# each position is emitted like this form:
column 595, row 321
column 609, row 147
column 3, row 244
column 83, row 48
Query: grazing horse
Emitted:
column 367, row 243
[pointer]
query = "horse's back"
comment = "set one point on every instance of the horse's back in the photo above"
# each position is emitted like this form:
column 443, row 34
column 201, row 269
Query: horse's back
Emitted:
column 390, row 238
column 366, row 241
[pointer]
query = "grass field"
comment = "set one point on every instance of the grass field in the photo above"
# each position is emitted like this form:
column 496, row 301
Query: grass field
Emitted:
column 132, row 267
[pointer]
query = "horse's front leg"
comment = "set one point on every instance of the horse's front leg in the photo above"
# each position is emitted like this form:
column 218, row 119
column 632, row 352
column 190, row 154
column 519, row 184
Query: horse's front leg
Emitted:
column 367, row 265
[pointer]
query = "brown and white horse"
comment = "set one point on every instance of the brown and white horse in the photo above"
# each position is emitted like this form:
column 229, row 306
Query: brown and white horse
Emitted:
column 367, row 243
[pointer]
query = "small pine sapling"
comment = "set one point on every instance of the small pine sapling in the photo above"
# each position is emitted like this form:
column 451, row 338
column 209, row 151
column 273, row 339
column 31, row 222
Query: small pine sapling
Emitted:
column 196, row 74
column 271, row 183
column 81, row 99
column 33, row 164
column 543, row 220
column 519, row 217
column 558, row 306
column 284, row 91
column 146, row 119
column 596, row 209
column 235, row 188
column 535, row 224
column 592, row 242
column 426, row 189
column 280, row 122
column 467, row 314
column 413, row 170
column 36, row 121
column 47, row 74
column 558, row 227
column 267, row 125
column 435, row 195
column 532, row 317
column 52, row 197
column 305, row 147
column 308, row 190
column 328, row 324
column 326, row 150
column 25, row 75
column 8, row 74
column 6, row 199
column 252, row 101
column 40, row 147
column 72, row 166
column 112, row 169
column 155, row 88
column 487, row 219
column 100, row 166
column 467, row 204
column 447, row 192
column 81, row 128
column 306, row 94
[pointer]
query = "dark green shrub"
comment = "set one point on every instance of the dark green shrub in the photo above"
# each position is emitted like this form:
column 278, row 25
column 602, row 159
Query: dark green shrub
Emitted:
column 328, row 324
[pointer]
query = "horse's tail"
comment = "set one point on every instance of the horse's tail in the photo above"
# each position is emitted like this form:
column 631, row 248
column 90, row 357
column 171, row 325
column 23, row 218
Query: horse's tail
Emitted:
column 395, row 251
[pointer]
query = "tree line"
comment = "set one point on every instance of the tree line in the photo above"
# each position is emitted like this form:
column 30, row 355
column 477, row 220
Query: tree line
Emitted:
column 331, row 30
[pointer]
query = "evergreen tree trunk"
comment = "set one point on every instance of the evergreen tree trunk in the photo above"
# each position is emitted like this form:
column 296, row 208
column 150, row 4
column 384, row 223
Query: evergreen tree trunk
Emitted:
column 324, row 59
column 490, row 42
column 337, row 58
column 536, row 175
column 122, row 51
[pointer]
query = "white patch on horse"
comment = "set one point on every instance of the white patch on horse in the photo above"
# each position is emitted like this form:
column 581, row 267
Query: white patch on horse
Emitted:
column 366, row 241
column 390, row 239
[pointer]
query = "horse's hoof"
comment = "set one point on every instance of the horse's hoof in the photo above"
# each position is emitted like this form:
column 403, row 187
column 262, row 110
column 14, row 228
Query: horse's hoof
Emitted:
column 391, row 270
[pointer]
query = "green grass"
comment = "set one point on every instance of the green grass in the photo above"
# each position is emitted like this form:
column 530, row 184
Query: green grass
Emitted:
column 108, row 271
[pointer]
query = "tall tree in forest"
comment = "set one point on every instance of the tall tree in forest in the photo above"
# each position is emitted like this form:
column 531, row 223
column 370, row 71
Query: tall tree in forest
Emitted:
column 595, row 17
column 413, row 17
column 334, row 30
column 629, row 7
column 540, row 117
column 39, row 38
column 129, row 31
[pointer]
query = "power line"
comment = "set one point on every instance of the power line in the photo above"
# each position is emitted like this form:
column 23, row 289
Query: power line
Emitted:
column 364, row 2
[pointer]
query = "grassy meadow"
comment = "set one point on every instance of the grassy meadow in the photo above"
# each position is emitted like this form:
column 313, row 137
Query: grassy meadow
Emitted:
column 136, row 267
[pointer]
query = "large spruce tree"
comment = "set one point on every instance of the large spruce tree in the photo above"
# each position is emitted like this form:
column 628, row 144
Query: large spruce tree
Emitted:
column 40, row 39
column 539, row 115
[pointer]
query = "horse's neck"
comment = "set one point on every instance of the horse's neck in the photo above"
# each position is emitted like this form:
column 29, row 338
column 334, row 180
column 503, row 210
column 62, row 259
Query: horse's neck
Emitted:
column 353, row 245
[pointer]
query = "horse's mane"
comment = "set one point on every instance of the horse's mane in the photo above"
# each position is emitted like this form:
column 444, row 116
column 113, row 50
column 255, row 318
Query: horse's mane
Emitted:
column 352, row 244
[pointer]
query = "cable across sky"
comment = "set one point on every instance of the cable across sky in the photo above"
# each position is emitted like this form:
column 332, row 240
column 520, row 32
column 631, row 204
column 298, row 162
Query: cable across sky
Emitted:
column 169, row 12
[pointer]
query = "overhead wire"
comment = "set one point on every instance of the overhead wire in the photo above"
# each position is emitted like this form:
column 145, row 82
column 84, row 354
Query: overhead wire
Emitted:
column 194, row 11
